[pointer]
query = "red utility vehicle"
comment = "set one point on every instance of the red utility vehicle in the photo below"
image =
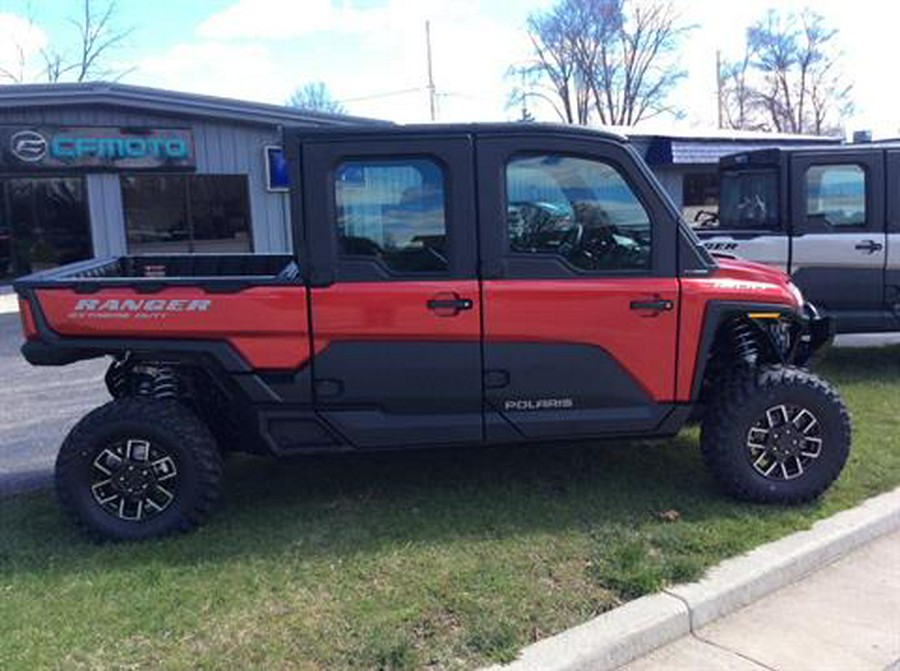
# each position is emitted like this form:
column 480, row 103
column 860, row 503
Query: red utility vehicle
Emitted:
column 451, row 285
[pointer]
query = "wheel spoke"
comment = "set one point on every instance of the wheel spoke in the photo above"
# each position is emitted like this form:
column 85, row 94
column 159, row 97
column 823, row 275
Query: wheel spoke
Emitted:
column 761, row 458
column 106, row 458
column 771, row 468
column 754, row 439
column 137, row 450
column 101, row 498
column 798, row 422
column 169, row 495
column 164, row 469
column 125, row 513
column 814, row 453
column 153, row 504
column 778, row 412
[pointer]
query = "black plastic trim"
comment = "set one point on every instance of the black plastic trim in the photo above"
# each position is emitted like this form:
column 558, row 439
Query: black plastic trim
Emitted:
column 717, row 312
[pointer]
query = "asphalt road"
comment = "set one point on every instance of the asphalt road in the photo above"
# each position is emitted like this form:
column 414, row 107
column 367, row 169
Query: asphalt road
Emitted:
column 38, row 406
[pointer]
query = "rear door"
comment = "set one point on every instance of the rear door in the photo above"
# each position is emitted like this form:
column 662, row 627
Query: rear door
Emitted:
column 396, row 318
column 839, row 243
column 892, row 262
column 579, row 290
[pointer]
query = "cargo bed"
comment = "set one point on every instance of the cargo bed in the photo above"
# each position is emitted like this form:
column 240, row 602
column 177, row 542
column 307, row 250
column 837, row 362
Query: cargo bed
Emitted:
column 214, row 271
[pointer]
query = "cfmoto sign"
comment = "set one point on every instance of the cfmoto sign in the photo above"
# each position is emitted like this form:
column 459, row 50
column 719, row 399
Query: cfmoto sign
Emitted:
column 94, row 147
column 28, row 146
column 65, row 147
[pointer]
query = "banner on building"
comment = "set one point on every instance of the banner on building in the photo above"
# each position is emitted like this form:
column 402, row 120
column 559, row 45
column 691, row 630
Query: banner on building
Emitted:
column 40, row 148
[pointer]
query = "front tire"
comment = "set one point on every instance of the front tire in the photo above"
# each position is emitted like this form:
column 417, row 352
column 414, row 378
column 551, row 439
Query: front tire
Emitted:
column 777, row 435
column 138, row 468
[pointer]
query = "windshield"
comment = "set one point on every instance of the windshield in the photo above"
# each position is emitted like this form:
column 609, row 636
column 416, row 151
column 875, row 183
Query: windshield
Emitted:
column 748, row 199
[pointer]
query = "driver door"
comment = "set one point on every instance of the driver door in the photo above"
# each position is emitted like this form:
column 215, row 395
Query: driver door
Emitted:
column 579, row 289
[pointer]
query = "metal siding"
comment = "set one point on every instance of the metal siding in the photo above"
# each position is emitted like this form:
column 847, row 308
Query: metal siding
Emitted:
column 107, row 220
column 220, row 148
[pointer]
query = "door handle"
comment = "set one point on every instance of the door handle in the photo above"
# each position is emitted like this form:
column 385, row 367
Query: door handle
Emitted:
column 657, row 305
column 869, row 246
column 448, row 305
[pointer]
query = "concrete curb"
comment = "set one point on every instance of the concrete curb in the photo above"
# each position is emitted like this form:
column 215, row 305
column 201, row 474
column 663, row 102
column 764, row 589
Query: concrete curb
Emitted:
column 639, row 627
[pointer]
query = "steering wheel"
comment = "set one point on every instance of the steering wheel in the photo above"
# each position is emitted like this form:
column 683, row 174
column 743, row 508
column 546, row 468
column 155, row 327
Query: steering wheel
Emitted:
column 706, row 217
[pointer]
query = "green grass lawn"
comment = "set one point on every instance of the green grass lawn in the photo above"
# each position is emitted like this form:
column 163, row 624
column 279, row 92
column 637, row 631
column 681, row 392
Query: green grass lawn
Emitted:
column 405, row 561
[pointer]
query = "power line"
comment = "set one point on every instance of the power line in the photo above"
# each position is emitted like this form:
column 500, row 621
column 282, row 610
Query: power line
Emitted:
column 386, row 94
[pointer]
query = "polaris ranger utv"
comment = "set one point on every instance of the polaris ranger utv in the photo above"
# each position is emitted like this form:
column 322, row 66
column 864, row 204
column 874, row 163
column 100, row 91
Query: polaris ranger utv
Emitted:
column 451, row 285
column 827, row 216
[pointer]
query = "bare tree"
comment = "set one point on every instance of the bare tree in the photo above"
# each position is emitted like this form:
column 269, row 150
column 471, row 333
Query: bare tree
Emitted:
column 84, row 58
column 789, row 78
column 316, row 97
column 609, row 59
column 97, row 38
column 16, row 73
column 738, row 97
column 553, row 38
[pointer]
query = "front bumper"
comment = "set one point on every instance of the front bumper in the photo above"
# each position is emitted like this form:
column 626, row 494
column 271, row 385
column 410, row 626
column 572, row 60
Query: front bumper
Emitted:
column 817, row 332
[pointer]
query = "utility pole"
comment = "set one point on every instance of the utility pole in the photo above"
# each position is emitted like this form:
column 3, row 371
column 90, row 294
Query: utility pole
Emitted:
column 431, row 91
column 525, row 115
column 719, row 85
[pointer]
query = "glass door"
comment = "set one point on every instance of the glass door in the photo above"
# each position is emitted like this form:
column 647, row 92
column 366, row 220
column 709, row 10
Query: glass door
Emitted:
column 43, row 224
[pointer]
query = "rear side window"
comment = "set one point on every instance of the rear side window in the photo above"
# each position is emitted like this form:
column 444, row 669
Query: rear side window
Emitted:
column 836, row 194
column 748, row 200
column 393, row 211
column 579, row 209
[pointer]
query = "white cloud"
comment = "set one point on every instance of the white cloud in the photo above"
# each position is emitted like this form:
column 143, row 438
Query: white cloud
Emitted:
column 263, row 50
column 20, row 45
column 245, row 71
column 270, row 19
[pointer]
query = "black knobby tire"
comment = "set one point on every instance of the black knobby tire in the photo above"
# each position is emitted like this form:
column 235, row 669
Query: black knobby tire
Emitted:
column 185, row 478
column 777, row 435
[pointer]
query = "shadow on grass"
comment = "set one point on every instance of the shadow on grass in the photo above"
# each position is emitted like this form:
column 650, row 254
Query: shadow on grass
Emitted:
column 853, row 365
column 348, row 504
column 339, row 505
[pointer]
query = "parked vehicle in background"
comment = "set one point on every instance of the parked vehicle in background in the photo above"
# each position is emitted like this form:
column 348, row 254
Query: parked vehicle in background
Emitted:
column 451, row 285
column 5, row 251
column 828, row 216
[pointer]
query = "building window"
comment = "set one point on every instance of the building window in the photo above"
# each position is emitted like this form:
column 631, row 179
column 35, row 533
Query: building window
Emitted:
column 836, row 194
column 170, row 214
column 700, row 196
column 581, row 210
column 393, row 211
column 43, row 224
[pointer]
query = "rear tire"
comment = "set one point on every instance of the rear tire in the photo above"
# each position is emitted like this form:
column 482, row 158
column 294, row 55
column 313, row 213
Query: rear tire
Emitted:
column 777, row 435
column 138, row 468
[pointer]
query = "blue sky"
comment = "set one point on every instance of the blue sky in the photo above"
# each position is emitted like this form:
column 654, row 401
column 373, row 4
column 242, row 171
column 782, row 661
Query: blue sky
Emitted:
column 263, row 49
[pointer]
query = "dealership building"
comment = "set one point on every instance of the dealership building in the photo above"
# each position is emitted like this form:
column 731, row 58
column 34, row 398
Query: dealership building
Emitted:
column 105, row 169
column 101, row 169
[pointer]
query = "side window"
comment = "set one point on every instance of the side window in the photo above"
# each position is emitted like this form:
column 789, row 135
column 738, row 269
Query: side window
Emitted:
column 748, row 200
column 836, row 194
column 582, row 210
column 393, row 210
